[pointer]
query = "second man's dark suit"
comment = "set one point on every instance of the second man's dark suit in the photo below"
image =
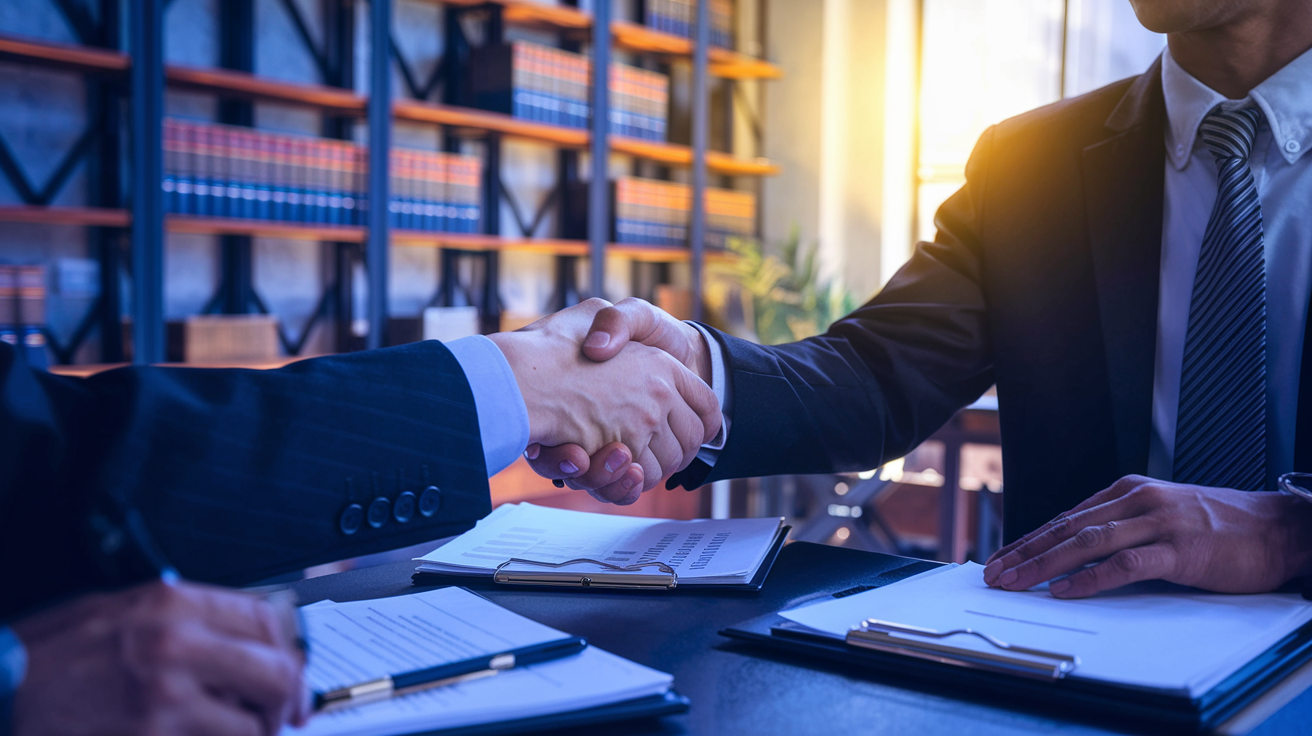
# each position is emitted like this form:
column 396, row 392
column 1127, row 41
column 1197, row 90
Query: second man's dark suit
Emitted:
column 237, row 474
column 1043, row 279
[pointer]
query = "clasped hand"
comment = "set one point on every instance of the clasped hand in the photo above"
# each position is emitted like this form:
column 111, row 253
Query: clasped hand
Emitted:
column 628, row 420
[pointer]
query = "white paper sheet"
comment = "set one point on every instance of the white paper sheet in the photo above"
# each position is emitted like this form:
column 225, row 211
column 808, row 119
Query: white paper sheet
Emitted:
column 351, row 642
column 700, row 551
column 1151, row 635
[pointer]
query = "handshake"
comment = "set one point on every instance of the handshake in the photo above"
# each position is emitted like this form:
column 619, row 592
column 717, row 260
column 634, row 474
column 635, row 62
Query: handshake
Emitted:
column 618, row 396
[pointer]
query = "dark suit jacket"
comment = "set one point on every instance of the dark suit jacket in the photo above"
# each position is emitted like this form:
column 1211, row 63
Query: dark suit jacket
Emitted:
column 238, row 474
column 1043, row 280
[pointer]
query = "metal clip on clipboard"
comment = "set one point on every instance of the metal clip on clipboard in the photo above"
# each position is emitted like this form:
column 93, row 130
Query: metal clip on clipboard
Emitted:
column 513, row 572
column 1011, row 659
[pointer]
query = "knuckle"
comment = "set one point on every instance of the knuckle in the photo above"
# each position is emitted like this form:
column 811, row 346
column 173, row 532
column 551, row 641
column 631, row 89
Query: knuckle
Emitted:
column 160, row 643
column 1126, row 561
column 595, row 303
column 1090, row 537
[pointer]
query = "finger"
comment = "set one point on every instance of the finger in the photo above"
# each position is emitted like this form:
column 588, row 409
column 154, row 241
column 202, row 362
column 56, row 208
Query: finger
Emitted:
column 1117, row 490
column 606, row 466
column 236, row 614
column 632, row 320
column 620, row 492
column 1088, row 545
column 207, row 715
column 1054, row 533
column 560, row 462
column 651, row 466
column 687, row 428
column 1150, row 562
column 630, row 482
column 702, row 400
column 265, row 680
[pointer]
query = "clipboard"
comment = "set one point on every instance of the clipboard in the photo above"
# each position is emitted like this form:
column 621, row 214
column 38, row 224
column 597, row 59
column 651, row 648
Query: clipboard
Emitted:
column 965, row 674
column 587, row 574
column 656, row 706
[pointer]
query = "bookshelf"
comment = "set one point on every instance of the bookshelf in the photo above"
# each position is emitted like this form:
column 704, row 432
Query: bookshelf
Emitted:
column 336, row 99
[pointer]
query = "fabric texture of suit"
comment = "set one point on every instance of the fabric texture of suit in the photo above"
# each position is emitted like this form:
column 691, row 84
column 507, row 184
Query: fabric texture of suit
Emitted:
column 1043, row 279
column 238, row 475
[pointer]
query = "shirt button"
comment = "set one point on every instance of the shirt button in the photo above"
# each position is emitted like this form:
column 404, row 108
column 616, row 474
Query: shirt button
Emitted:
column 1292, row 146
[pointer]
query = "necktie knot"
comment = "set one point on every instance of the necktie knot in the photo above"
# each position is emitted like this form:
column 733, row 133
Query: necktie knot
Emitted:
column 1229, row 134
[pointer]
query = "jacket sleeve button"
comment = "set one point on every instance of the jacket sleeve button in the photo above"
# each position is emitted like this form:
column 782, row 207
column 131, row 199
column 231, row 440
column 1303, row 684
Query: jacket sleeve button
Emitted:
column 379, row 509
column 430, row 501
column 404, row 508
column 351, row 519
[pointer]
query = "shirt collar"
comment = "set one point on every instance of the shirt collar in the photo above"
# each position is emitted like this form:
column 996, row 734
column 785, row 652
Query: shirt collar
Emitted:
column 1285, row 99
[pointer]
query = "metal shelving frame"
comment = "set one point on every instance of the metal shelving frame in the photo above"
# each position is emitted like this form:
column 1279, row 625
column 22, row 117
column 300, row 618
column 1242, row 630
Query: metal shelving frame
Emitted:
column 144, row 217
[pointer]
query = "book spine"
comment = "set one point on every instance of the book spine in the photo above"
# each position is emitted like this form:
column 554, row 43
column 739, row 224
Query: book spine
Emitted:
column 9, row 305
column 31, row 315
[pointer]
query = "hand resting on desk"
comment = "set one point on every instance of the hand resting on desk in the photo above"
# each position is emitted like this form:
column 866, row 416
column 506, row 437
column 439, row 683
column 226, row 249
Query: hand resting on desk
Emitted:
column 1216, row 539
column 159, row 659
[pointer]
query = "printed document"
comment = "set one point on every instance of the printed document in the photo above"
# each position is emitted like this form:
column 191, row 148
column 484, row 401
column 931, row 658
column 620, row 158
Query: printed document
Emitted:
column 1154, row 636
column 363, row 640
column 701, row 551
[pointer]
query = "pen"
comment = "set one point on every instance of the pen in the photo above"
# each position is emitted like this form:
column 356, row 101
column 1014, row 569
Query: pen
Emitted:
column 484, row 665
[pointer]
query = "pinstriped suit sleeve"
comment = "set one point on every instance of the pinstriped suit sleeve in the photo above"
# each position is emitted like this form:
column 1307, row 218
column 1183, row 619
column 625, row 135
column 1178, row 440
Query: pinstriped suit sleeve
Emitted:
column 239, row 475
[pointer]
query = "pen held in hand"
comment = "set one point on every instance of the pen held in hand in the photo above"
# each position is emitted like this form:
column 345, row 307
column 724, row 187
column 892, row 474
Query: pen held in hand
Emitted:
column 453, row 673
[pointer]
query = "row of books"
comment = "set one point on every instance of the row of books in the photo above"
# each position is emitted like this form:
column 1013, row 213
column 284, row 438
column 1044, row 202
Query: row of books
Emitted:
column 23, row 312
column 679, row 18
column 225, row 171
column 653, row 212
column 544, row 84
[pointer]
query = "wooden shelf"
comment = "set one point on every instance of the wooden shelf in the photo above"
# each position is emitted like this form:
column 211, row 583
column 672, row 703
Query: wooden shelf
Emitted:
column 481, row 120
column 81, row 58
column 266, row 228
column 631, row 36
column 81, row 216
column 263, row 88
column 670, row 153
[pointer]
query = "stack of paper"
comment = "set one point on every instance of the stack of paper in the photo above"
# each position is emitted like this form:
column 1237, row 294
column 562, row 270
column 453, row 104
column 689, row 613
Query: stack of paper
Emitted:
column 354, row 642
column 1152, row 636
column 701, row 551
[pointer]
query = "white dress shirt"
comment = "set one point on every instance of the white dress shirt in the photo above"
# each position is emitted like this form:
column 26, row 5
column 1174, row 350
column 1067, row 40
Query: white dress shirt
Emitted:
column 1283, row 175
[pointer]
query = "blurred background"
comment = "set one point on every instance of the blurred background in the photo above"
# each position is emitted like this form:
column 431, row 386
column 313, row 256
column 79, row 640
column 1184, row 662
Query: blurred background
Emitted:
column 766, row 177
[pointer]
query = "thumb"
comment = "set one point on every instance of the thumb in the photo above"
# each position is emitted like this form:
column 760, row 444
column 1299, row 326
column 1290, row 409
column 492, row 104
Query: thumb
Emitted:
column 633, row 320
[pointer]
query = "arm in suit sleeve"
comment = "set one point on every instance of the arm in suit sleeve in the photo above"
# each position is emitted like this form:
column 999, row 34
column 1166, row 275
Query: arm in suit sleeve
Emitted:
column 880, row 380
column 237, row 474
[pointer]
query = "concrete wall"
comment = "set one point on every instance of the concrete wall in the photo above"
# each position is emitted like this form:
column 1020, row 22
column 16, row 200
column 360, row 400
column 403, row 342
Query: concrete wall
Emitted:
column 824, row 125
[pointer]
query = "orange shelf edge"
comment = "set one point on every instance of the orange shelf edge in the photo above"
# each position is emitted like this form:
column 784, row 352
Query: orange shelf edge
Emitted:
column 267, row 228
column 80, row 216
column 85, row 58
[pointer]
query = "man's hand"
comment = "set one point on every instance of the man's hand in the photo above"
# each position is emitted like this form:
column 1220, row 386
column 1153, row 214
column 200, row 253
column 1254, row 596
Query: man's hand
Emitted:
column 641, row 398
column 1144, row 529
column 159, row 659
column 612, row 328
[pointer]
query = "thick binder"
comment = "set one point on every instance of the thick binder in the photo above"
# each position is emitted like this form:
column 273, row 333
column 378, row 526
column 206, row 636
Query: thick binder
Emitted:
column 1030, row 679
column 587, row 574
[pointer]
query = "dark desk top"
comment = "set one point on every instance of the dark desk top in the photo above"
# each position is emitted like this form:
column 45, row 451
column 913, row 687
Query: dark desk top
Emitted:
column 737, row 689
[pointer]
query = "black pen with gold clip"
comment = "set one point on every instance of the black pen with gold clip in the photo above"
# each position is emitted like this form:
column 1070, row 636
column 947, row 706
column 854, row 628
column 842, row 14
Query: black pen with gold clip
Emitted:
column 484, row 665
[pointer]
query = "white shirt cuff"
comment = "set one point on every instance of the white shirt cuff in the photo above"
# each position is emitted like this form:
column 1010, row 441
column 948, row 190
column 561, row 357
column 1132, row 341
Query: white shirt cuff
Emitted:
column 710, row 451
column 502, row 414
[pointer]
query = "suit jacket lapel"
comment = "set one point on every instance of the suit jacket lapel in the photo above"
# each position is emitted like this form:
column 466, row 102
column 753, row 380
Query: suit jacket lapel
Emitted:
column 1123, row 189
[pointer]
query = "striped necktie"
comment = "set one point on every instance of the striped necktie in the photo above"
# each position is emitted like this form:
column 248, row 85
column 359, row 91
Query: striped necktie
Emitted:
column 1220, row 435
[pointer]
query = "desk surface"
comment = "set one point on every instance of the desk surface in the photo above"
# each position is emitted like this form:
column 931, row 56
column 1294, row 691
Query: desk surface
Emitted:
column 737, row 689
